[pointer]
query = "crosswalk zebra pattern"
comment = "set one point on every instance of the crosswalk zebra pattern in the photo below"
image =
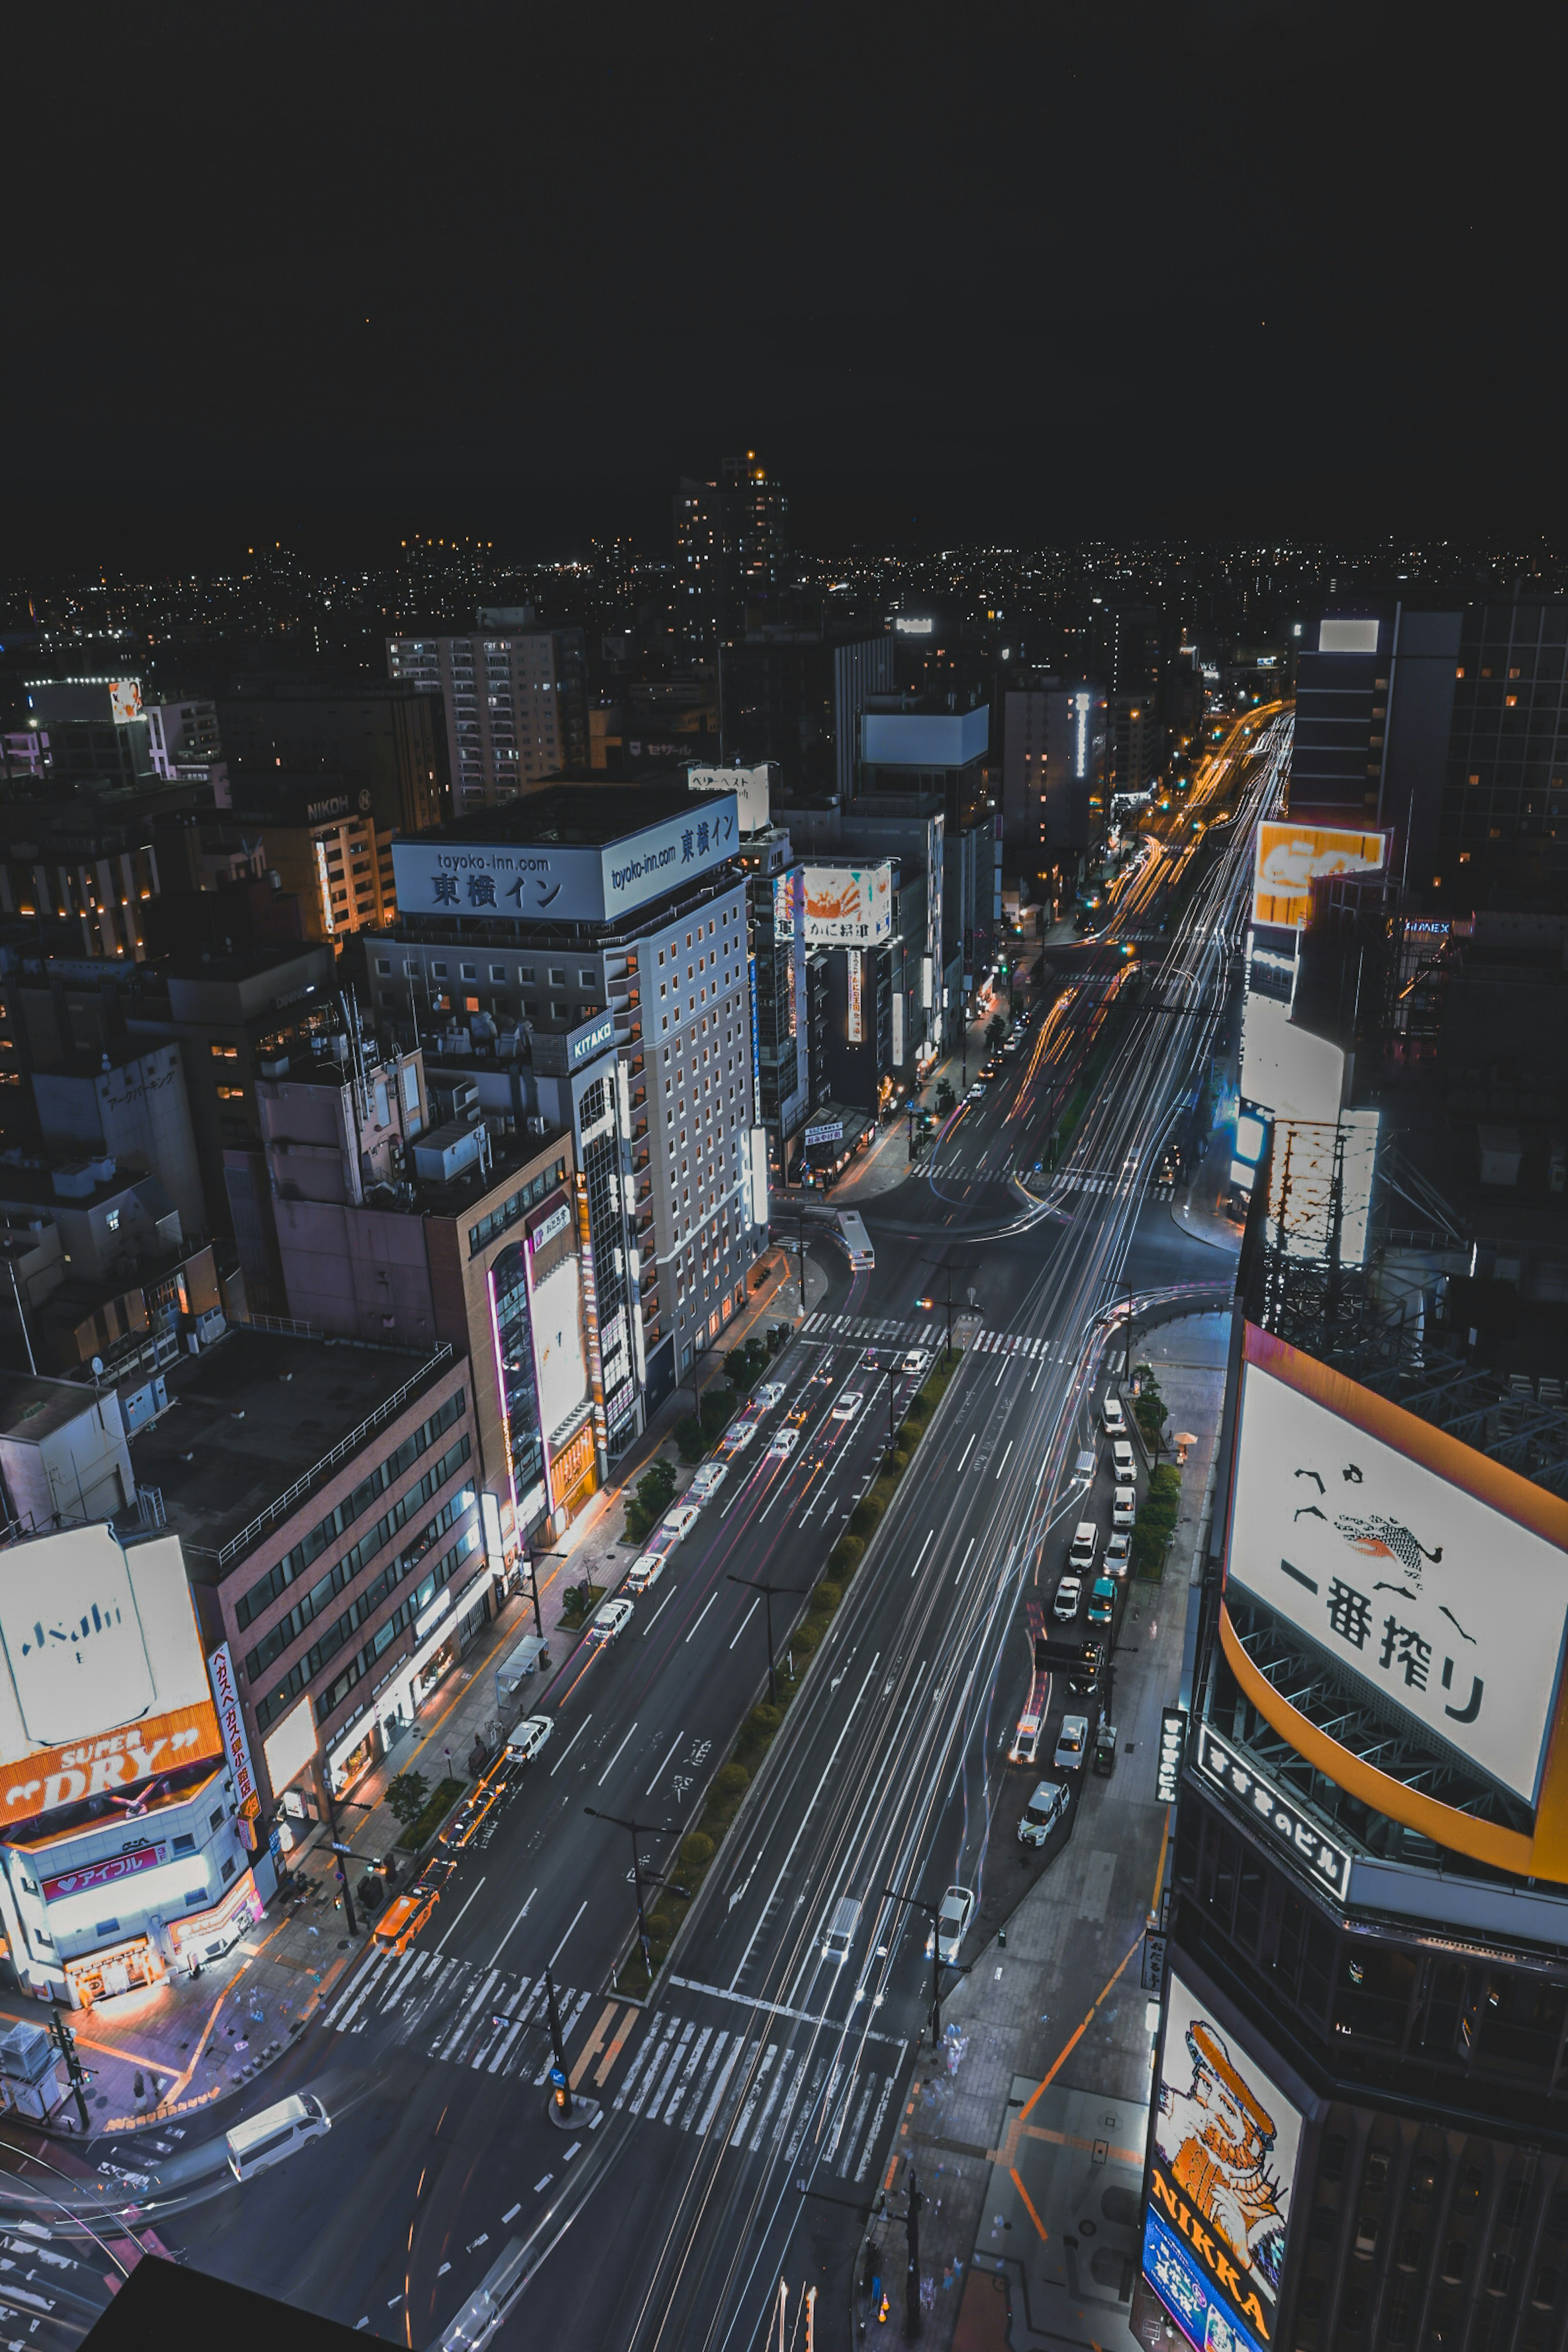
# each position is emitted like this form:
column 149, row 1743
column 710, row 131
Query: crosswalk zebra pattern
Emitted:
column 1099, row 1180
column 757, row 2089
column 768, row 2082
column 824, row 1329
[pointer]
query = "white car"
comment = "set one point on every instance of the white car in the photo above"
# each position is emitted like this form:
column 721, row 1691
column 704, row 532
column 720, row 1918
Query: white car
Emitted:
column 915, row 1364
column 612, row 1620
column 1121, row 1460
column 976, row 1093
column 680, row 1520
column 1069, row 1592
column 772, row 1392
column 707, row 1481
column 783, row 1442
column 646, row 1571
column 1043, row 1811
column 529, row 1737
column 953, row 1916
column 849, row 1405
column 1072, row 1743
column 1124, row 1507
column 1114, row 1421
column 1118, row 1555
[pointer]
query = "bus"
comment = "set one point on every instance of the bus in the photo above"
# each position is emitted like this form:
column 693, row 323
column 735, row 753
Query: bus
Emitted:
column 855, row 1240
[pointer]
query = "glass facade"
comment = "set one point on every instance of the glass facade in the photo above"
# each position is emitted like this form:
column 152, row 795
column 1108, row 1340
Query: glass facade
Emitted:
column 513, row 1327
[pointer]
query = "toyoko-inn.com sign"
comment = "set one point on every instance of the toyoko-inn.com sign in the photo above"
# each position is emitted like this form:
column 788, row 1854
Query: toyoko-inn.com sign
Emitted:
column 566, row 882
column 1447, row 1607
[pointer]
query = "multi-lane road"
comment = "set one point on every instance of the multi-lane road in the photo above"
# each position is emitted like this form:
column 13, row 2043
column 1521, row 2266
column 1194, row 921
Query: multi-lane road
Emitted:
column 747, row 2104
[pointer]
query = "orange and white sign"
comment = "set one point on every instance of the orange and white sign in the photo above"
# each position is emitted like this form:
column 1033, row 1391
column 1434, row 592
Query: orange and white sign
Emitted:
column 125, row 700
column 1290, row 857
column 115, row 1760
column 848, row 906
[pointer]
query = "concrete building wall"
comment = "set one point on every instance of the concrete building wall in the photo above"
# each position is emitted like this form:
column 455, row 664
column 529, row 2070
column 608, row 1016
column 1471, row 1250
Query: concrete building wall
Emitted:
column 137, row 1114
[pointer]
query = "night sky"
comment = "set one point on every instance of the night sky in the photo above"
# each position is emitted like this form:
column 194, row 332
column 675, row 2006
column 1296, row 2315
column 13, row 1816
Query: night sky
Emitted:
column 992, row 270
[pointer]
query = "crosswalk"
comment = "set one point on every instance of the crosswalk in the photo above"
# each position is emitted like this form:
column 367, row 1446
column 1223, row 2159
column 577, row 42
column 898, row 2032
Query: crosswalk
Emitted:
column 772, row 2077
column 1099, row 1180
column 824, row 1329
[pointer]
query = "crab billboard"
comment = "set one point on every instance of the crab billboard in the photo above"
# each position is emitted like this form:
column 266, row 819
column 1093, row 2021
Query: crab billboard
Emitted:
column 1222, row 2170
column 1426, row 1572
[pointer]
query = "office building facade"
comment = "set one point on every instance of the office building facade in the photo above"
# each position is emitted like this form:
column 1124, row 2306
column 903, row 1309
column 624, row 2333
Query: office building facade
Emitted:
column 732, row 539
column 515, row 699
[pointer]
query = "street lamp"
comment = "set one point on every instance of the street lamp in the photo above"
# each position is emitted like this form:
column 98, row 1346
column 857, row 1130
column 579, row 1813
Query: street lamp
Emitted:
column 639, row 1829
column 767, row 1592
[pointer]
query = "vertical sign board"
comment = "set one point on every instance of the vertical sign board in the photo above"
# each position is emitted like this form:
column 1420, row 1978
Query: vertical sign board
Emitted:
column 856, row 1004
column 1172, row 1743
column 898, row 1027
column 231, row 1723
column 1222, row 2168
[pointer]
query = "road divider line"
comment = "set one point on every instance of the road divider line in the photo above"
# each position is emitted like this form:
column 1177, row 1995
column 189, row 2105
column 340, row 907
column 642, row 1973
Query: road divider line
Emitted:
column 561, row 1947
column 614, row 1760
column 745, row 1620
column 968, row 1449
column 1003, row 1464
column 477, row 1883
column 571, row 1743
column 964, row 1562
column 512, row 1930
column 924, row 1549
column 654, row 1782
column 703, row 1612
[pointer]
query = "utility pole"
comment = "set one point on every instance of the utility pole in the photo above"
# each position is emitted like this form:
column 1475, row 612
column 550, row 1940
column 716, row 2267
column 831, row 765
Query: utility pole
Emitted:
column 558, row 2077
column 65, row 2041
column 950, row 1269
column 639, row 1829
column 767, row 1592
column 912, row 2276
column 569, row 2112
column 918, row 1903
column 340, row 1852
column 890, row 1370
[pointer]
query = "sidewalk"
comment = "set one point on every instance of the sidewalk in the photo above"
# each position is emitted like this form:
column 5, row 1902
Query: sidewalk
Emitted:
column 1027, row 2129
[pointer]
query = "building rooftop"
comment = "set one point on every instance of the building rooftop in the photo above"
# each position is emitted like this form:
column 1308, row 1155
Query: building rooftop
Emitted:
column 581, row 813
column 31, row 1409
column 251, row 1418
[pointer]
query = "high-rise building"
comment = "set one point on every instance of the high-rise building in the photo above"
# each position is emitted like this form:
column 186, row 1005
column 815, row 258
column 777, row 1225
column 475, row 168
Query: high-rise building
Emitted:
column 96, row 729
column 1055, row 754
column 732, row 539
column 515, row 698
column 1361, row 2133
column 387, row 738
column 794, row 695
column 583, row 959
column 911, row 748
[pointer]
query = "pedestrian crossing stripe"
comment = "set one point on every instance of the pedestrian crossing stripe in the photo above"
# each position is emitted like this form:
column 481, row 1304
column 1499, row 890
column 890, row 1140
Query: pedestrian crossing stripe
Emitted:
column 822, row 1330
column 753, row 2085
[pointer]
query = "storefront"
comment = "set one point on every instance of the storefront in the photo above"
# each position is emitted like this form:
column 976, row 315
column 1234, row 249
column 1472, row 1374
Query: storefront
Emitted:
column 443, row 1633
column 573, row 1467
column 98, row 1976
column 208, row 1935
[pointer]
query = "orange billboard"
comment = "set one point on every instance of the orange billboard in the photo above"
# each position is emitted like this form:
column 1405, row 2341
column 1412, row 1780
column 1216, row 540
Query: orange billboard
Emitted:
column 114, row 1760
column 1290, row 857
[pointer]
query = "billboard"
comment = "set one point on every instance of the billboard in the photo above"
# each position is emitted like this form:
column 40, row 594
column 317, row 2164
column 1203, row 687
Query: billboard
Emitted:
column 848, row 906
column 1222, row 2168
column 1286, row 1069
column 103, row 1679
column 556, row 1305
column 1423, row 1570
column 566, row 882
column 857, row 996
column 291, row 1747
column 231, row 1723
column 1302, row 1180
column 1291, row 856
column 751, row 786
column 125, row 700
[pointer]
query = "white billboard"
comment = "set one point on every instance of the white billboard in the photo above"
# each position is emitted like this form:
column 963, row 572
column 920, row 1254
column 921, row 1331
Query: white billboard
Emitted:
column 1287, row 1070
column 291, row 1747
column 1358, row 1524
column 1302, row 1181
column 557, row 1309
column 751, row 786
column 94, row 1638
column 566, row 882
column 846, row 906
column 1222, row 2174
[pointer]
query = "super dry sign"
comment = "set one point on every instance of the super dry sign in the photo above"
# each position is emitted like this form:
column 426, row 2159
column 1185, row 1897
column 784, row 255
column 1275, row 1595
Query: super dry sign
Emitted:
column 115, row 1762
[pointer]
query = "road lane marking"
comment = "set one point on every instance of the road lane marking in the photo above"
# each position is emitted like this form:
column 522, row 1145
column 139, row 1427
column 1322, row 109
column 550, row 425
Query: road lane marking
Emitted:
column 623, row 2035
column 703, row 1612
column 451, row 1924
column 571, row 1743
column 924, row 1549
column 512, row 1930
column 1003, row 1464
column 803, row 1819
column 654, row 1782
column 773, row 2008
column 555, row 1955
column 653, row 1621
column 512, row 2215
column 745, row 1620
column 964, row 1562
column 967, row 1452
column 614, row 1760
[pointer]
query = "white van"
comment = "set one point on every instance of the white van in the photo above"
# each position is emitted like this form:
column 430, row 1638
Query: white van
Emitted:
column 1085, row 1543
column 839, row 1933
column 1114, row 1421
column 267, row 2139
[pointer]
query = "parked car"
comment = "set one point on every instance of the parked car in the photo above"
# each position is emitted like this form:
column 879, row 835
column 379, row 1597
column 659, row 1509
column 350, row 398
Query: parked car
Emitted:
column 1124, row 1507
column 953, row 1916
column 525, row 1740
column 1117, row 1553
column 976, row 1093
column 1044, row 1809
column 1069, row 1592
column 1072, row 1743
column 1105, row 1750
column 707, row 1480
column 681, row 1521
column 772, row 1392
column 609, row 1624
column 646, row 1571
column 1102, row 1601
column 1114, row 1421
